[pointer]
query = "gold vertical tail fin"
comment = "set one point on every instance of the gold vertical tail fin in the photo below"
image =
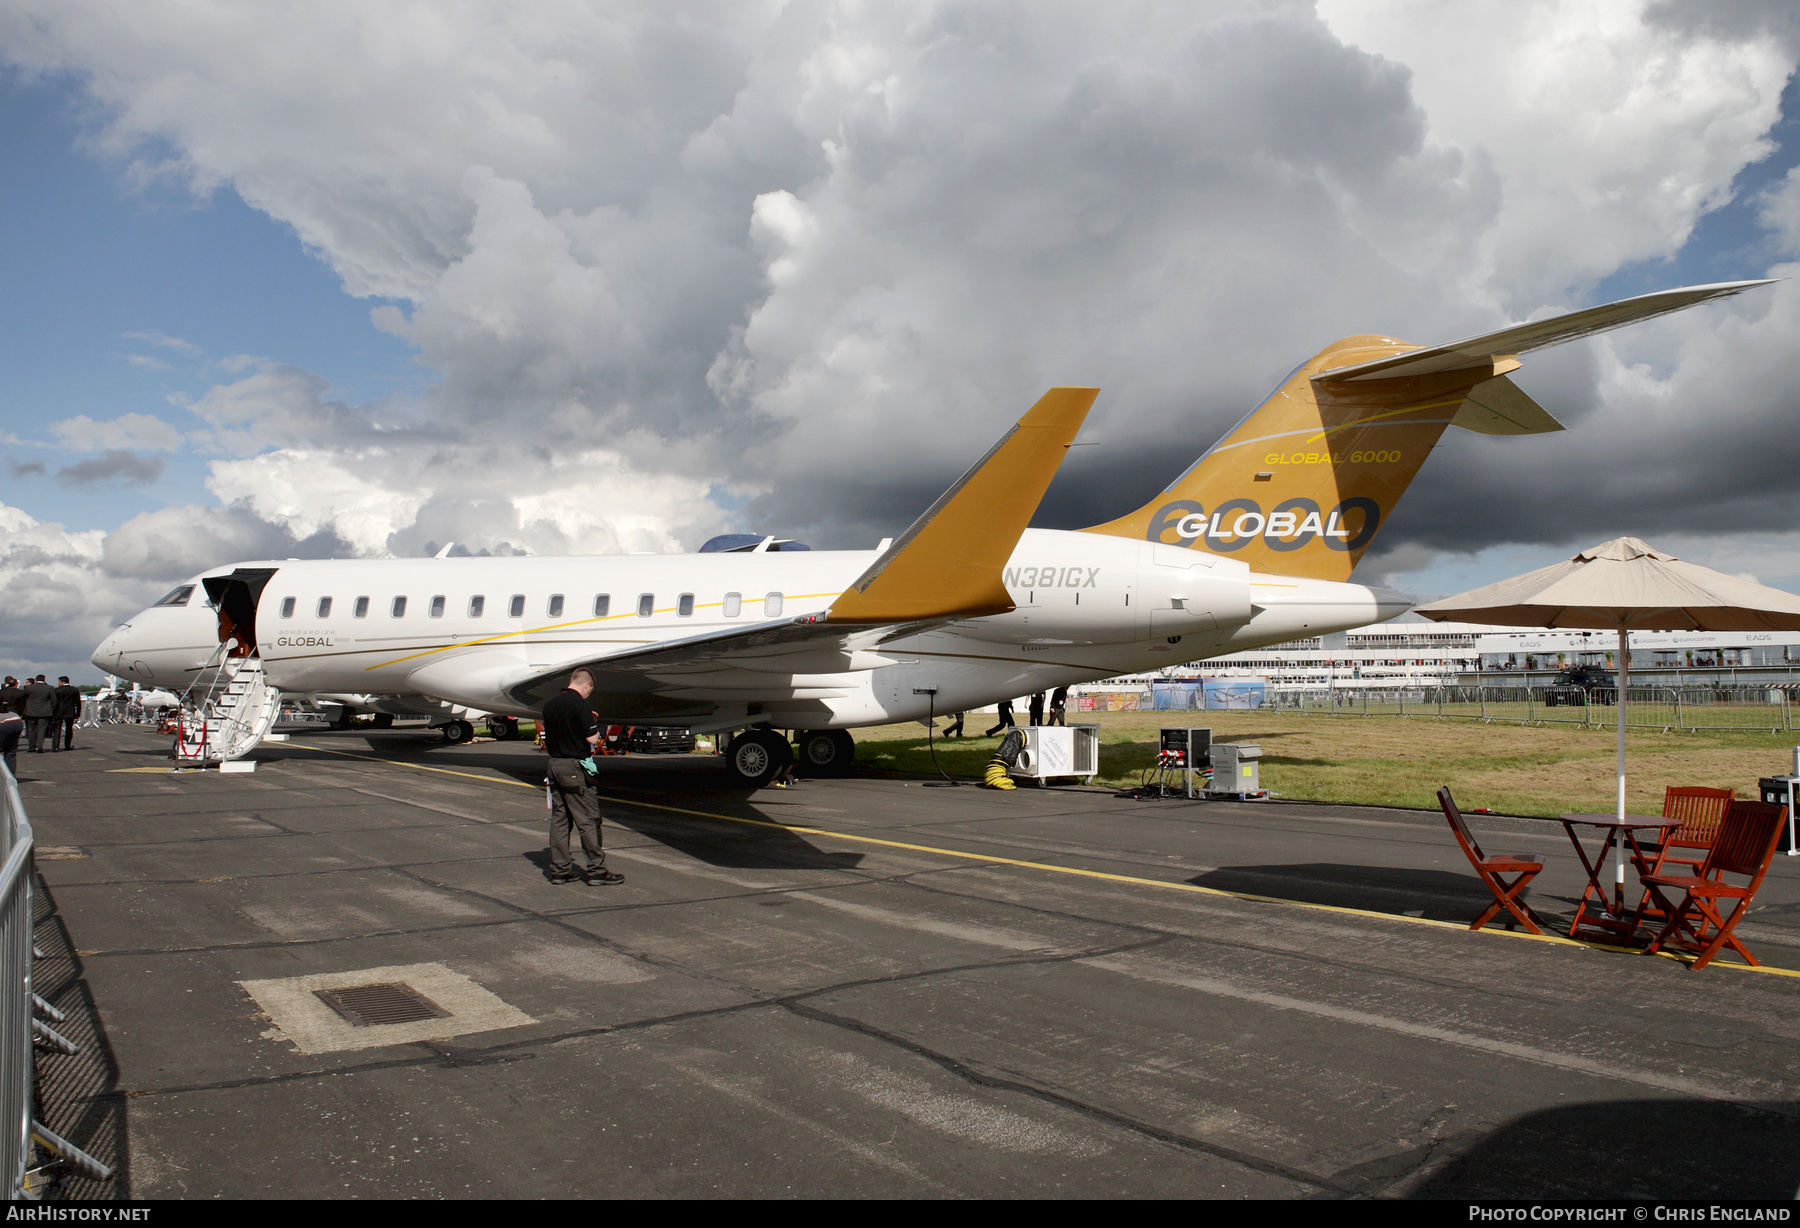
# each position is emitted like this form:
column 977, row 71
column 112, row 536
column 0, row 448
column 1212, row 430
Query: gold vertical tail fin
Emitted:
column 1302, row 485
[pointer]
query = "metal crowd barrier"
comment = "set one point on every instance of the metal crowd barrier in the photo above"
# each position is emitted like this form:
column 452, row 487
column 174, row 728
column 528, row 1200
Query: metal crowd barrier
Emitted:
column 16, row 1051
column 1762, row 709
column 20, row 1028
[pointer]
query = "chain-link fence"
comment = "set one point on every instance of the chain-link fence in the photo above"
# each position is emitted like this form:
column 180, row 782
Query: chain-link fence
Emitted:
column 1766, row 709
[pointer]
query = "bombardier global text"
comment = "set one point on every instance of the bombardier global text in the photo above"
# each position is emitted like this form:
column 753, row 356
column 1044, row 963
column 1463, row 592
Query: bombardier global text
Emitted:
column 1253, row 545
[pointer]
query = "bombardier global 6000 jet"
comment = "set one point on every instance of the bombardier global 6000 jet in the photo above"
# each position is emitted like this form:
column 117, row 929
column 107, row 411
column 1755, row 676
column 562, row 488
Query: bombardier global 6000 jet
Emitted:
column 1253, row 545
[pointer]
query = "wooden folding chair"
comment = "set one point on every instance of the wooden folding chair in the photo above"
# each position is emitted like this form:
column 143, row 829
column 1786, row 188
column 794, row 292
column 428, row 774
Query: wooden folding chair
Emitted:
column 1744, row 846
column 1492, row 869
column 1700, row 811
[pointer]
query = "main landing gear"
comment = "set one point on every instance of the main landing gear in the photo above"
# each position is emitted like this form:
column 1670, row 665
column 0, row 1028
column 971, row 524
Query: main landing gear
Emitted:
column 755, row 755
column 458, row 732
column 826, row 752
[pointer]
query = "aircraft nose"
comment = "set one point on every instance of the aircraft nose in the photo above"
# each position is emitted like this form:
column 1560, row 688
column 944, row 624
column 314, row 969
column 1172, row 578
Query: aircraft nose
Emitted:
column 107, row 657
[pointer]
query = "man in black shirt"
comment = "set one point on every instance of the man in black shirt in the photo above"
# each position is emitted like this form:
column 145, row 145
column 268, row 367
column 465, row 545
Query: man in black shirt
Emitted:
column 570, row 735
column 12, row 699
column 1005, row 721
column 1059, row 706
column 68, row 711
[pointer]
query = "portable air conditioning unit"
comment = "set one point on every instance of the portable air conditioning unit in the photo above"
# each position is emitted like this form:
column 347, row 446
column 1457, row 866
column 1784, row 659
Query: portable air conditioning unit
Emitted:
column 1053, row 751
column 1235, row 770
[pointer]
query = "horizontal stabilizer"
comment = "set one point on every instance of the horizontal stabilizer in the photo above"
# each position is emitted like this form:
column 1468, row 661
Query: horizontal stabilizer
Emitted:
column 948, row 564
column 1510, row 342
column 1499, row 407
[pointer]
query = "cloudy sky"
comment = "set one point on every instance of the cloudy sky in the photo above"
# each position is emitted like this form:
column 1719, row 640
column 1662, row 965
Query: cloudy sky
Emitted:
column 340, row 278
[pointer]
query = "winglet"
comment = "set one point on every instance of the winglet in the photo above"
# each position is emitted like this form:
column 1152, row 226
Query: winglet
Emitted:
column 948, row 564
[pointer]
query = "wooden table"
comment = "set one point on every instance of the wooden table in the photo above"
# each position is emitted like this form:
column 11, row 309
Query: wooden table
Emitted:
column 1614, row 922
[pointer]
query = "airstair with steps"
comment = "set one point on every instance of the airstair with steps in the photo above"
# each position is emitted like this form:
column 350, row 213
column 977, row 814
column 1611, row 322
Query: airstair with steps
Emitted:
column 237, row 708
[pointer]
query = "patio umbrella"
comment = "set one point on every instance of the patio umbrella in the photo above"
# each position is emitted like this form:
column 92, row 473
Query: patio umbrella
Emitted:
column 1624, row 585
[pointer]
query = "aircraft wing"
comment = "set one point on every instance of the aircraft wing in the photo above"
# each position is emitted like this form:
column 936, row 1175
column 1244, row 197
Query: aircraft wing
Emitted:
column 1477, row 352
column 946, row 566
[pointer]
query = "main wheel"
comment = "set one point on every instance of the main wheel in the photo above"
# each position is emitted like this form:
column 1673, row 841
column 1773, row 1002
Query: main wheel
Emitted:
column 383, row 720
column 458, row 732
column 502, row 728
column 826, row 752
column 755, row 755
column 343, row 719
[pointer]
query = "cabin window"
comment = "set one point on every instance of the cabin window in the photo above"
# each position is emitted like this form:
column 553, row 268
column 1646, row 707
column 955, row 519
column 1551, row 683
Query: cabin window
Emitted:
column 685, row 605
column 646, row 604
column 437, row 606
column 602, row 604
column 734, row 603
column 476, row 606
column 554, row 607
column 772, row 605
column 178, row 597
column 399, row 610
column 324, row 607
column 362, row 607
column 516, row 607
column 287, row 607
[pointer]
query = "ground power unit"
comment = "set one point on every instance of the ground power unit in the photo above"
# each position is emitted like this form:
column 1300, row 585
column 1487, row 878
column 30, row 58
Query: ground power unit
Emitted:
column 1185, row 751
column 1236, row 770
column 1055, row 751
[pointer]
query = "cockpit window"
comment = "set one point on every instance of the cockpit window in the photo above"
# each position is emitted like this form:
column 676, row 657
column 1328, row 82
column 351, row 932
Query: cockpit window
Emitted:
column 179, row 596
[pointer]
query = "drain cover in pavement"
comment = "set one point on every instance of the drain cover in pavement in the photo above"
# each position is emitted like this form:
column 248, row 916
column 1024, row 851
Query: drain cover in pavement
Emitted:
column 393, row 1002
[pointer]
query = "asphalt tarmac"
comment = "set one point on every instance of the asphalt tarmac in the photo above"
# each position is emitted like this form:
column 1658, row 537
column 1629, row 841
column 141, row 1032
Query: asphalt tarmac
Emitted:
column 858, row 987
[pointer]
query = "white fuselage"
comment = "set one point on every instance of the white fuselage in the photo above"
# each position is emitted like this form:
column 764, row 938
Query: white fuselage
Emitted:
column 1088, row 606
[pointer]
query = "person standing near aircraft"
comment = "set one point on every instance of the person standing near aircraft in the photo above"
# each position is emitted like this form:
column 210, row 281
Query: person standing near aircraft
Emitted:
column 40, row 709
column 1037, row 708
column 11, row 726
column 68, row 711
column 954, row 728
column 571, row 734
column 12, row 699
column 1005, row 721
column 1059, row 703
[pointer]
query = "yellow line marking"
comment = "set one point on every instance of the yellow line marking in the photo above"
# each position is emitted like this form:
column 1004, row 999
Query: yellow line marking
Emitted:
column 142, row 769
column 992, row 859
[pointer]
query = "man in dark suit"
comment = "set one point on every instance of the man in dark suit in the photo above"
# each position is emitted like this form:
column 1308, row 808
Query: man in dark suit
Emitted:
column 12, row 699
column 40, row 709
column 1059, row 705
column 1005, row 721
column 1037, row 708
column 68, row 711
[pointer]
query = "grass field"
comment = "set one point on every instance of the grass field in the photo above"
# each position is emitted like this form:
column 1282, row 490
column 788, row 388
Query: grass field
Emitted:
column 1401, row 761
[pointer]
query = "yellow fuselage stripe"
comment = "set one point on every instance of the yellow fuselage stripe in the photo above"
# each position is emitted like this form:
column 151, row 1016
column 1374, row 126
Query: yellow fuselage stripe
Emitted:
column 580, row 622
